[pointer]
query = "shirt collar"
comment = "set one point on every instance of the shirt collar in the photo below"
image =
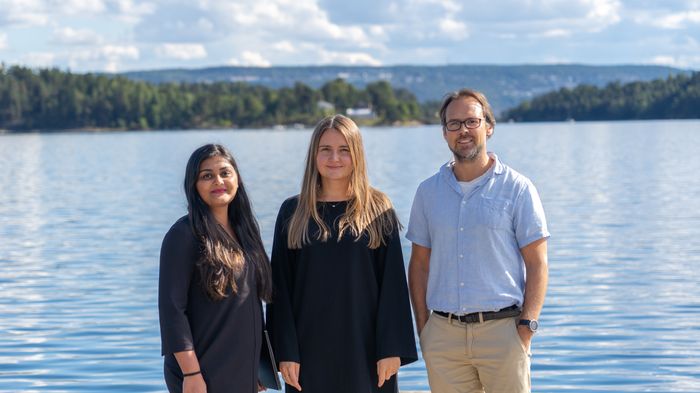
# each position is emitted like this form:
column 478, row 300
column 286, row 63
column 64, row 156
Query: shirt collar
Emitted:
column 449, row 176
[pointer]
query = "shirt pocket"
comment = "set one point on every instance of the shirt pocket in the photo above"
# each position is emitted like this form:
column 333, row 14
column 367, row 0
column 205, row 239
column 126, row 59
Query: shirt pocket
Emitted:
column 495, row 213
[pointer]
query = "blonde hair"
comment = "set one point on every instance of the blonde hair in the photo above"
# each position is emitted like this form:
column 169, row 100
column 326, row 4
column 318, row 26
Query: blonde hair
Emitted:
column 368, row 210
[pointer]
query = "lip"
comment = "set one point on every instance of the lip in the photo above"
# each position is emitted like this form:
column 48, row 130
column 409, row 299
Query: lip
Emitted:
column 219, row 191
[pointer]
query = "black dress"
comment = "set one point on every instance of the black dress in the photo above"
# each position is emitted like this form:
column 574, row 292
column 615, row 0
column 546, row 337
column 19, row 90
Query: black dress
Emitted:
column 339, row 307
column 225, row 335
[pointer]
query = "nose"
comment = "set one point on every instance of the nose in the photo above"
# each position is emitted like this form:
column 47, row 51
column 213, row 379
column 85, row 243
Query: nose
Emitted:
column 335, row 156
column 218, row 179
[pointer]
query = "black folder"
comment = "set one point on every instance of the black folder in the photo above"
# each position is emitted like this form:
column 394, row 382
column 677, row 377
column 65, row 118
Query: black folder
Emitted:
column 267, row 373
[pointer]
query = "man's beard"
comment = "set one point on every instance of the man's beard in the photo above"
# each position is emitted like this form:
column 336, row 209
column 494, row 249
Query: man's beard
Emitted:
column 470, row 155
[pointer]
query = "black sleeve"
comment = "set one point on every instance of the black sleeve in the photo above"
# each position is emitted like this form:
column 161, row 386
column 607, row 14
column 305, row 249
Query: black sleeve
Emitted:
column 178, row 256
column 394, row 323
column 280, row 315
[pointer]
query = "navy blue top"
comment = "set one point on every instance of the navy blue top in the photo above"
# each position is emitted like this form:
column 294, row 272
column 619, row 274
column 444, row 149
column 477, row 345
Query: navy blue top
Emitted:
column 339, row 306
column 225, row 334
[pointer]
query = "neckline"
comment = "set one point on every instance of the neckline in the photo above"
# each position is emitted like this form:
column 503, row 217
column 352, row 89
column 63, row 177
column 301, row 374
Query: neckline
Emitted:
column 333, row 203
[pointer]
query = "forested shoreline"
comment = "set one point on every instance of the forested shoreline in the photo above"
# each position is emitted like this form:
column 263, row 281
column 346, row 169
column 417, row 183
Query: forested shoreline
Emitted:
column 676, row 97
column 50, row 99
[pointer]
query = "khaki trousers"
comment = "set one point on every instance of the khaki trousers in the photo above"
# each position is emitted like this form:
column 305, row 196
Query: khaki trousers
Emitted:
column 475, row 357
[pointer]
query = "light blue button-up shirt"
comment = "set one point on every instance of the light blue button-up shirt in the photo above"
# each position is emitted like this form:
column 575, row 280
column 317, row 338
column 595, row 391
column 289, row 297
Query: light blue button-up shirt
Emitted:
column 475, row 239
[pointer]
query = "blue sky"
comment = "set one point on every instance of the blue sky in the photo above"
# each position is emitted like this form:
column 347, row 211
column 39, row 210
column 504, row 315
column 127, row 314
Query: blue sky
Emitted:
column 123, row 35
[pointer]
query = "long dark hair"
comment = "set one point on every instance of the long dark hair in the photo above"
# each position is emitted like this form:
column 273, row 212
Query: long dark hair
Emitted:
column 223, row 256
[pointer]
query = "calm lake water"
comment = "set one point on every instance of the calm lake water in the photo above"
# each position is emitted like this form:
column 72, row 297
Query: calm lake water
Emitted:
column 82, row 217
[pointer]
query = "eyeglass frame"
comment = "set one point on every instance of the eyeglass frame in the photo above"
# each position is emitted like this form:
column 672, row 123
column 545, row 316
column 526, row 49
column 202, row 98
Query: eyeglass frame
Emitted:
column 463, row 122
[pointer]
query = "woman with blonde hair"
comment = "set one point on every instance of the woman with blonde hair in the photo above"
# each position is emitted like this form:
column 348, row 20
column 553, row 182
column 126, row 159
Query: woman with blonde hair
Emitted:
column 340, row 318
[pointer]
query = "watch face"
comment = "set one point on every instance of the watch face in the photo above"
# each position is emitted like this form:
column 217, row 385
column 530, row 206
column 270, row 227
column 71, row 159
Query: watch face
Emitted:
column 534, row 325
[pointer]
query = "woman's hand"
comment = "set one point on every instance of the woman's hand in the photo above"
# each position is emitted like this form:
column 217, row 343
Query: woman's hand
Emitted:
column 386, row 368
column 194, row 384
column 290, row 374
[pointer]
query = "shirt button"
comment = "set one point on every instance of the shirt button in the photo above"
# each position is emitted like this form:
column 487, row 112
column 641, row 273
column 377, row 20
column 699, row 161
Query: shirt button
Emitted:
column 464, row 309
column 464, row 202
column 461, row 229
column 461, row 284
column 461, row 256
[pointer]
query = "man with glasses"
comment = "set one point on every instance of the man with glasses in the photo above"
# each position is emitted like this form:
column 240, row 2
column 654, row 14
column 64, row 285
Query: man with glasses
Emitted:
column 478, row 269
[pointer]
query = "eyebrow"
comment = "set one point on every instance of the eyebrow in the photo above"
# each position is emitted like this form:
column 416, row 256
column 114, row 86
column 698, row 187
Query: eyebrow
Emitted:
column 225, row 166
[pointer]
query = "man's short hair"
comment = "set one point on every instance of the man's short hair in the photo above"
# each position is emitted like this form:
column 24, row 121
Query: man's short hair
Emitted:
column 463, row 93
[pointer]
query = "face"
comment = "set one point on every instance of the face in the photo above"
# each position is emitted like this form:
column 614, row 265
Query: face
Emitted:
column 217, row 182
column 467, row 144
column 333, row 158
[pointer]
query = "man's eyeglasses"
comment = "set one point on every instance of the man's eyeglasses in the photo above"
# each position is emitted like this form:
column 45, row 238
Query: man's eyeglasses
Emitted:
column 456, row 125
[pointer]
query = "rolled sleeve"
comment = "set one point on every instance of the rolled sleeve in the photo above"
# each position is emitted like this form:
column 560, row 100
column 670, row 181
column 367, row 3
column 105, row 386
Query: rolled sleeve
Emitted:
column 418, row 231
column 529, row 218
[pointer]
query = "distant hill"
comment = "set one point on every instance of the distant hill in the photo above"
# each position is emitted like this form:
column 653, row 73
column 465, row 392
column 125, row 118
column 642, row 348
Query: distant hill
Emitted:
column 676, row 97
column 505, row 85
column 51, row 99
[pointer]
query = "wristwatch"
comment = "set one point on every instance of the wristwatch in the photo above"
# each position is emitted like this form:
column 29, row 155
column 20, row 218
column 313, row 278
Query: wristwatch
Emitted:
column 532, row 324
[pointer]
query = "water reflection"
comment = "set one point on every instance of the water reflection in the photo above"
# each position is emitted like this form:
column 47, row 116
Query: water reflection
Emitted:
column 82, row 217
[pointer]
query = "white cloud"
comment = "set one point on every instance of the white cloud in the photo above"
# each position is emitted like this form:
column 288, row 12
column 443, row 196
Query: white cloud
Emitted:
column 132, row 12
column 106, row 57
column 76, row 33
column 38, row 59
column 456, row 31
column 23, row 13
column 664, row 60
column 80, row 7
column 678, row 20
column 181, row 51
column 352, row 58
column 119, row 51
column 70, row 36
column 680, row 61
column 298, row 21
column 250, row 59
column 106, row 52
column 283, row 46
column 554, row 33
column 605, row 11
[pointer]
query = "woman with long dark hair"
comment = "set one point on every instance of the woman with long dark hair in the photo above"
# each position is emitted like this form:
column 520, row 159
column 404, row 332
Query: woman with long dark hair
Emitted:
column 213, row 274
column 340, row 319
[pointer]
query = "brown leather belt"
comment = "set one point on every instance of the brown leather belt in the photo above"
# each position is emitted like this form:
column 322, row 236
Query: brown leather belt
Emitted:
column 508, row 312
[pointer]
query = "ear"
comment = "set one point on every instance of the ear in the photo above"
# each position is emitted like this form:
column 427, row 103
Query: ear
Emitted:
column 489, row 131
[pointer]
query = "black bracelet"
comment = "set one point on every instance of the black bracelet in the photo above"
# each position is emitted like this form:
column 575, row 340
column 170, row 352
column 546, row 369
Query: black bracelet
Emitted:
column 192, row 373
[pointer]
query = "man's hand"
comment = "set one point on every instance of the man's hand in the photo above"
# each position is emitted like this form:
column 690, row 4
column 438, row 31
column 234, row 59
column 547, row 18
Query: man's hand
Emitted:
column 290, row 373
column 386, row 368
column 525, row 336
